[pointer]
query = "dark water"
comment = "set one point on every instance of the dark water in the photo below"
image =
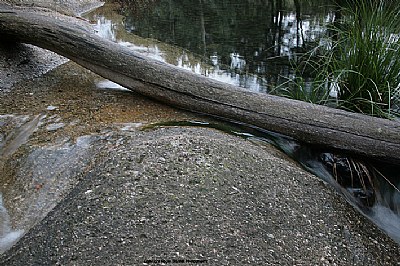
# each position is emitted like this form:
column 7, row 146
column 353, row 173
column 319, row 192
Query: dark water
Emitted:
column 255, row 45
column 252, row 44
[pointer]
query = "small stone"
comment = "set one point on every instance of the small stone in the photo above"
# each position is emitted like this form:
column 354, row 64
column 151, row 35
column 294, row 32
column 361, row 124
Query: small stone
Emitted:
column 51, row 108
column 271, row 236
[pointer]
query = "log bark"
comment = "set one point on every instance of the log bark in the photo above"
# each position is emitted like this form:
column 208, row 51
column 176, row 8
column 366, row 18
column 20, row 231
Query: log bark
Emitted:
column 309, row 123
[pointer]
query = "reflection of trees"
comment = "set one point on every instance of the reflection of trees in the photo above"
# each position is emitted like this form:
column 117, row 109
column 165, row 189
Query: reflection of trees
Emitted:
column 252, row 29
column 203, row 27
column 135, row 7
column 299, row 29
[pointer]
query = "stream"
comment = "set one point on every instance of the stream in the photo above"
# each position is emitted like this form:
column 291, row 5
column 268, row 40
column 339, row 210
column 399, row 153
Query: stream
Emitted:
column 252, row 44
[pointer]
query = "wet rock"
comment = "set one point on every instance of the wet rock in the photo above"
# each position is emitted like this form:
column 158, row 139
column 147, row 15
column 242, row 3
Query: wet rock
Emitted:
column 69, row 7
column 167, row 195
column 19, row 62
column 248, row 206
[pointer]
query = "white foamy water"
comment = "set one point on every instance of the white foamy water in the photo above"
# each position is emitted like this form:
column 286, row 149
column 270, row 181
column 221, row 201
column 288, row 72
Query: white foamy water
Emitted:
column 386, row 219
column 8, row 236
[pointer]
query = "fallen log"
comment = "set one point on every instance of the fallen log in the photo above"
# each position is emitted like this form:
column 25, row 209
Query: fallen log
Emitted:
column 338, row 129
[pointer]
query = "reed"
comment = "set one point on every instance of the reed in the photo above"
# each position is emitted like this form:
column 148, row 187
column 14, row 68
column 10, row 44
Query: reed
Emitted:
column 365, row 61
column 362, row 65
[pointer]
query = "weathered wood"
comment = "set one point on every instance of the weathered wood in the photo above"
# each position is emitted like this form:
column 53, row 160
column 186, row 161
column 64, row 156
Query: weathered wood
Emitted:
column 350, row 132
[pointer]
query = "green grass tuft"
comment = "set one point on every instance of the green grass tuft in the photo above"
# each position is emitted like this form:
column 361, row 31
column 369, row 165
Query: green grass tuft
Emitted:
column 363, row 62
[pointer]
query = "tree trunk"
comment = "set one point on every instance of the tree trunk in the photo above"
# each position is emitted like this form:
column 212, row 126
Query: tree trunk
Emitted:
column 349, row 132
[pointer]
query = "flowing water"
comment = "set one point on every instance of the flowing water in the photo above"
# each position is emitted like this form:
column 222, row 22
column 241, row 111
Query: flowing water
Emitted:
column 35, row 180
column 252, row 44
column 8, row 236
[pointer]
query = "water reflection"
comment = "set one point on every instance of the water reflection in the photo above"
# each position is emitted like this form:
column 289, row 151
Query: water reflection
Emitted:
column 106, row 28
column 252, row 44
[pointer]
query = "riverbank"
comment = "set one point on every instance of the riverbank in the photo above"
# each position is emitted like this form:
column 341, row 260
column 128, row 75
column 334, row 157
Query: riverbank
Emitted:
column 89, row 186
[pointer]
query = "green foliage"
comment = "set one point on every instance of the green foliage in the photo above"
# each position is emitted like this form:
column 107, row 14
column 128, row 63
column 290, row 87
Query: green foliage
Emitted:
column 363, row 62
column 298, row 88
column 365, row 59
